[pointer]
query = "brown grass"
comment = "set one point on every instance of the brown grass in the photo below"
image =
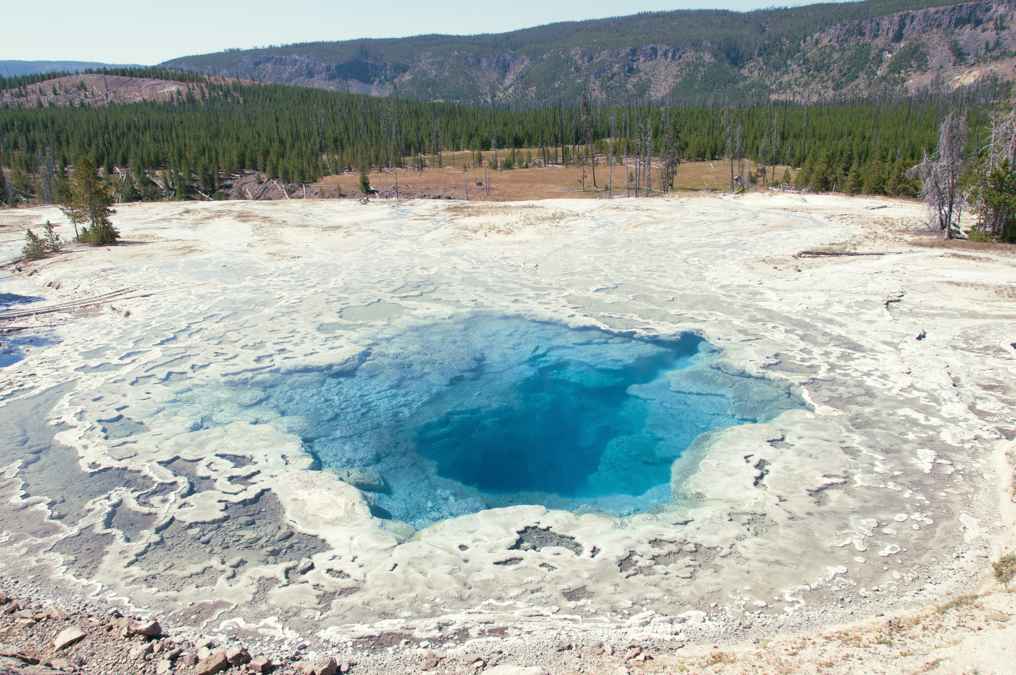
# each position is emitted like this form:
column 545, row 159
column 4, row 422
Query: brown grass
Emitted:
column 553, row 182
column 958, row 602
column 936, row 241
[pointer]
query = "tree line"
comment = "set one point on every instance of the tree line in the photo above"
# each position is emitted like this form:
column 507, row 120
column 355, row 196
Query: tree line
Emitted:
column 190, row 145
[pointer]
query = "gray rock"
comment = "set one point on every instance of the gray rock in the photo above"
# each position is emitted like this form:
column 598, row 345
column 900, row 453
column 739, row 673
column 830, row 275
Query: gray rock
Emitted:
column 261, row 664
column 68, row 637
column 509, row 669
column 150, row 629
column 325, row 665
column 237, row 656
column 216, row 663
column 140, row 651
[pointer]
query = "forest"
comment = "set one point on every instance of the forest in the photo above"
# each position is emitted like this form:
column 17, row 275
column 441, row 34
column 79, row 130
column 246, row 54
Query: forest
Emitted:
column 299, row 135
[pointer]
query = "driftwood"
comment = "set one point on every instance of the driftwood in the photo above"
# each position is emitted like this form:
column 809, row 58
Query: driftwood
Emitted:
column 841, row 254
column 893, row 299
column 279, row 185
column 74, row 305
column 262, row 189
column 8, row 330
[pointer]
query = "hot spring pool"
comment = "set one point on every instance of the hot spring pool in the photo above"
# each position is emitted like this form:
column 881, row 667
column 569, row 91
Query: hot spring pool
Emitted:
column 488, row 411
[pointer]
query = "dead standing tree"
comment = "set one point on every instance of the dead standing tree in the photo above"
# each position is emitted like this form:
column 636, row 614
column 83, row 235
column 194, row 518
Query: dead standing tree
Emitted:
column 611, row 144
column 940, row 176
column 644, row 160
column 671, row 155
column 733, row 131
column 587, row 132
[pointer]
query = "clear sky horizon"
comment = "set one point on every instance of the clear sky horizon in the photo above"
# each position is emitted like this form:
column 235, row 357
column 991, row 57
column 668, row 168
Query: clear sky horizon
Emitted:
column 149, row 32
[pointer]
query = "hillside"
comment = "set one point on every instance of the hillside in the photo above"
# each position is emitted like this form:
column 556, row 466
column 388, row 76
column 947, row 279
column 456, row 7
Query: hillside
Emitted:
column 93, row 89
column 19, row 68
column 812, row 53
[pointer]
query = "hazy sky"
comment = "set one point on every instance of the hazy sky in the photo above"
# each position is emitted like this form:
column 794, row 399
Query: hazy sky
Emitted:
column 146, row 31
column 149, row 32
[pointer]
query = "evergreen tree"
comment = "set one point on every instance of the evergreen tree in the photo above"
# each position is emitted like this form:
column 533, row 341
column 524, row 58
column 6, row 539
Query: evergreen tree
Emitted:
column 903, row 185
column 802, row 180
column 4, row 196
column 21, row 181
column 299, row 134
column 820, row 178
column 34, row 248
column 854, row 182
column 364, row 181
column 89, row 204
column 874, row 179
column 997, row 200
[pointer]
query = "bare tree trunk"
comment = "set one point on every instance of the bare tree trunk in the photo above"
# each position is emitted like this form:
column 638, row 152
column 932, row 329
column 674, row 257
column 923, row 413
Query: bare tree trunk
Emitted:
column 638, row 169
column 610, row 155
column 649, row 159
column 940, row 175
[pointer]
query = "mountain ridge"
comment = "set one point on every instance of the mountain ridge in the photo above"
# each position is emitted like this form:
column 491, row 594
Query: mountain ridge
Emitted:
column 810, row 53
column 18, row 67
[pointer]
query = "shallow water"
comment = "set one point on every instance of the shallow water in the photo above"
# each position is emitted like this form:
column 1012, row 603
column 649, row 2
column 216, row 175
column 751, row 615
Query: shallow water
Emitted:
column 485, row 411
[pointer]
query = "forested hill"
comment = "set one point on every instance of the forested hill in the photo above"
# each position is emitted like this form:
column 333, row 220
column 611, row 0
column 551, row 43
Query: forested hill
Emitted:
column 805, row 54
column 21, row 68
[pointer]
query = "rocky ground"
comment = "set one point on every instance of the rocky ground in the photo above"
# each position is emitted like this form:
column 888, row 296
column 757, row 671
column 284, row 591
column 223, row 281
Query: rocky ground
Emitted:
column 854, row 536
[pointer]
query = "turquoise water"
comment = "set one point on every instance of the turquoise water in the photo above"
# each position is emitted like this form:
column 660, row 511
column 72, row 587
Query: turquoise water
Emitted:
column 489, row 410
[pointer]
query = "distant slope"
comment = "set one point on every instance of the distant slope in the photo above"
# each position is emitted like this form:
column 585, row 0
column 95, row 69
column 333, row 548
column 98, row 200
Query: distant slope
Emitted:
column 95, row 89
column 811, row 53
column 18, row 68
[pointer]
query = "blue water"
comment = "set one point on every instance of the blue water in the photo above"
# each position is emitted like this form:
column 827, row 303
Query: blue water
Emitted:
column 489, row 410
column 14, row 349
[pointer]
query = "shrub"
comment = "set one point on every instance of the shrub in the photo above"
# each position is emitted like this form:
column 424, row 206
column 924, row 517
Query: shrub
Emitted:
column 53, row 242
column 35, row 247
column 100, row 234
column 1005, row 569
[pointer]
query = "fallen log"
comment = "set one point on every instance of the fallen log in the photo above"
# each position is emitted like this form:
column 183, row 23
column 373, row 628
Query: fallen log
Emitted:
column 841, row 254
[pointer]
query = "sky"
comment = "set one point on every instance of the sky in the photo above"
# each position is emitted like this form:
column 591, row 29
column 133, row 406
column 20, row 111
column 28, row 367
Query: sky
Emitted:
column 149, row 32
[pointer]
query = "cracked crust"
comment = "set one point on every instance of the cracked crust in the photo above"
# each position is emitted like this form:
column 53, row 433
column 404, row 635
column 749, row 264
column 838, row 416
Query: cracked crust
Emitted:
column 870, row 500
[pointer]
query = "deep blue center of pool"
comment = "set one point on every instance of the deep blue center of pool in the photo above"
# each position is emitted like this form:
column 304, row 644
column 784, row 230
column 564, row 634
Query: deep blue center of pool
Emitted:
column 488, row 410
column 564, row 423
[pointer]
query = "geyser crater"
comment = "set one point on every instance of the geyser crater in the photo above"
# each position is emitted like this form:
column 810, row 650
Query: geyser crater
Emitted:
column 487, row 411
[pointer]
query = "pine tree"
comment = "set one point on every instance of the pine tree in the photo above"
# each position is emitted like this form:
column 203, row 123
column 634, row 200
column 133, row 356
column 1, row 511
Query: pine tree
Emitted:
column 874, row 179
column 854, row 182
column 4, row 196
column 35, row 247
column 89, row 203
column 899, row 184
column 820, row 179
column 803, row 178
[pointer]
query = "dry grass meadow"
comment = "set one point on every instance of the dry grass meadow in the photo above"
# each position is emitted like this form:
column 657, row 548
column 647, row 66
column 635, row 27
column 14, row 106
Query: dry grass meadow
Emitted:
column 459, row 179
